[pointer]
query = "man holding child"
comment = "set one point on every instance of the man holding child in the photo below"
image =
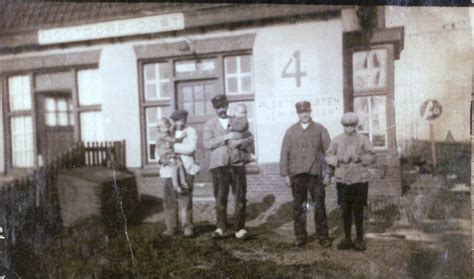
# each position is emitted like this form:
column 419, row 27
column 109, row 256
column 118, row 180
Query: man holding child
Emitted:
column 178, row 198
column 228, row 139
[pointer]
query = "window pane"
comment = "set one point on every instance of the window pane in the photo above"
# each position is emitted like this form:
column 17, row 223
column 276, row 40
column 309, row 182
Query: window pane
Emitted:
column 150, row 91
column 90, row 87
column 209, row 108
column 189, row 107
column 370, row 69
column 164, row 71
column 51, row 118
column 62, row 104
column 92, row 126
column 50, row 104
column 20, row 93
column 378, row 117
column 246, row 84
column 207, row 65
column 149, row 70
column 164, row 90
column 361, row 108
column 187, row 92
column 22, row 141
column 232, row 85
column 199, row 108
column 372, row 118
column 185, row 66
column 246, row 64
column 198, row 92
column 62, row 121
column 230, row 65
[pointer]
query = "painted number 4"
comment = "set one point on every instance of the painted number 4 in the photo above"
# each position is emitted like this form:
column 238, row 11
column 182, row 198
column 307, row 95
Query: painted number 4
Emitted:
column 297, row 74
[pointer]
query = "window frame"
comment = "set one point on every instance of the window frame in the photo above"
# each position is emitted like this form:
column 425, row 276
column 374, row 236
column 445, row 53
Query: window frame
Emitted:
column 172, row 102
column 354, row 43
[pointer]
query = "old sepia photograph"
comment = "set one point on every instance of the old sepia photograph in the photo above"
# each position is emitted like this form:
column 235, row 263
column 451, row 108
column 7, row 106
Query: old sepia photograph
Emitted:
column 227, row 140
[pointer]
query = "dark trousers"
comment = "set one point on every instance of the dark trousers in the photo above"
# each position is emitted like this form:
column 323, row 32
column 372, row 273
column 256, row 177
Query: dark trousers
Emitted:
column 178, row 206
column 223, row 178
column 301, row 184
column 352, row 199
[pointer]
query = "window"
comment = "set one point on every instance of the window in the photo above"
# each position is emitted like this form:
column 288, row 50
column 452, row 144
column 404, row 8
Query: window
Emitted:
column 92, row 126
column 21, row 122
column 90, row 110
column 157, row 81
column 58, row 111
column 22, row 141
column 369, row 87
column 238, row 74
column 89, row 87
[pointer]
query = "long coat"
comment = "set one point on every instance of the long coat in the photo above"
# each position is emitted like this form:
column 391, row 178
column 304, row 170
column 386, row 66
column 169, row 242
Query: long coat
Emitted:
column 303, row 149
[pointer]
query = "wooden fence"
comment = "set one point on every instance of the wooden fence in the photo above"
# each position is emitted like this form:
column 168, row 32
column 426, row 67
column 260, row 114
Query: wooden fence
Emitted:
column 29, row 206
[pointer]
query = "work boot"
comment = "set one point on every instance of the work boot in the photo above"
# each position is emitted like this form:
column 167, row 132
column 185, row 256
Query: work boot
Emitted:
column 242, row 234
column 299, row 242
column 218, row 234
column 188, row 232
column 360, row 245
column 325, row 242
column 345, row 244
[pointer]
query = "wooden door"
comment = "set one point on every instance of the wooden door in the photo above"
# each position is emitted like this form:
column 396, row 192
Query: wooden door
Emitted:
column 195, row 97
column 55, row 124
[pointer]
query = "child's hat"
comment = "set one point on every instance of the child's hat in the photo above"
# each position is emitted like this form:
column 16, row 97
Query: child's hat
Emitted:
column 349, row 119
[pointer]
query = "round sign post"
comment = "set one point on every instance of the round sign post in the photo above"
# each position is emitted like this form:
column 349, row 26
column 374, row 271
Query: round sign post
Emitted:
column 431, row 110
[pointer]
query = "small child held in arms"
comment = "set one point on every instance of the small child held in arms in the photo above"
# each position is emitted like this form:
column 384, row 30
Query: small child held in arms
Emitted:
column 167, row 156
column 349, row 155
column 240, row 153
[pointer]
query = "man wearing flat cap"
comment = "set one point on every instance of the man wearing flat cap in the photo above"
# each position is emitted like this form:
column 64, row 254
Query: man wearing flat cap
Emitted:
column 302, row 153
column 216, row 139
column 350, row 154
column 180, row 205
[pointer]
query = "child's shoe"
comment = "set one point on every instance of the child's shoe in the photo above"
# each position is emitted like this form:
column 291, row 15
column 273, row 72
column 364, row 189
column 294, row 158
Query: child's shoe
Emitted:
column 360, row 245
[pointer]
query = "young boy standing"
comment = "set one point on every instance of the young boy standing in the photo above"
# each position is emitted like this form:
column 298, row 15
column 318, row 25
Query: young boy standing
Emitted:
column 350, row 154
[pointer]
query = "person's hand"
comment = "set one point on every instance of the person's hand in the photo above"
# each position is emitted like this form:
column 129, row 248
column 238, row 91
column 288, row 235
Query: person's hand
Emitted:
column 287, row 181
column 327, row 180
column 232, row 135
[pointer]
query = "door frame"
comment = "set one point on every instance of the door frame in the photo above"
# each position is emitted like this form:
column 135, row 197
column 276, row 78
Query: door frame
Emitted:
column 40, row 123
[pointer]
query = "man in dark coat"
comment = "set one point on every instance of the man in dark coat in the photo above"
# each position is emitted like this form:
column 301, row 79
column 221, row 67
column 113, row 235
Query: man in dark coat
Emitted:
column 303, row 148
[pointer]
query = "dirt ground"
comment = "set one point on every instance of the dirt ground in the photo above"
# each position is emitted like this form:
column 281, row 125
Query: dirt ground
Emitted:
column 424, row 234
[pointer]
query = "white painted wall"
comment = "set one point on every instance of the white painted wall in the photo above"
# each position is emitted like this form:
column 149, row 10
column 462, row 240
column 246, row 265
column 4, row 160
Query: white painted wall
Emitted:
column 435, row 64
column 320, row 47
column 118, row 71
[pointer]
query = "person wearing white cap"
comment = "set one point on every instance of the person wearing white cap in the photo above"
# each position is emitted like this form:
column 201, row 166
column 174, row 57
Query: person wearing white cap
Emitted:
column 349, row 155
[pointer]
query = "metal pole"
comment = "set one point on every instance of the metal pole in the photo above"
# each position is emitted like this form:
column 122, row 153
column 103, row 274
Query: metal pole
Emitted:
column 433, row 147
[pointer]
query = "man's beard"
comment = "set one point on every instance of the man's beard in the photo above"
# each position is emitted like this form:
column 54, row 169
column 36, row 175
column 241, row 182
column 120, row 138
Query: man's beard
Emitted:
column 222, row 114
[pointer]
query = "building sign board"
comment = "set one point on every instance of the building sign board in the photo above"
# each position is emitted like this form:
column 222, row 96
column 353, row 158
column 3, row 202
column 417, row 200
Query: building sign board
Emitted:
column 110, row 29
